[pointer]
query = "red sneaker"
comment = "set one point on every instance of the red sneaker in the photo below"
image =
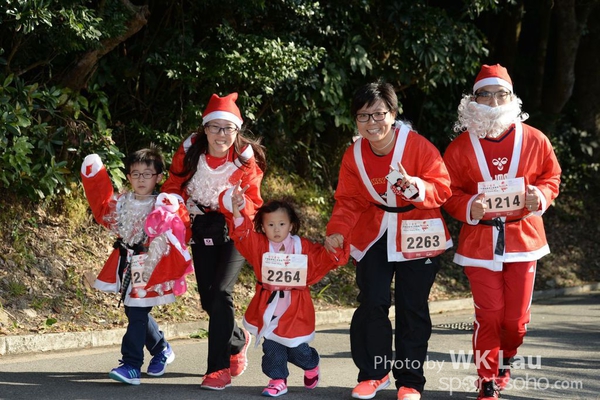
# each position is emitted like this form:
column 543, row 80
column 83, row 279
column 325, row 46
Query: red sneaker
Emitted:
column 238, row 362
column 217, row 380
column 503, row 378
column 406, row 393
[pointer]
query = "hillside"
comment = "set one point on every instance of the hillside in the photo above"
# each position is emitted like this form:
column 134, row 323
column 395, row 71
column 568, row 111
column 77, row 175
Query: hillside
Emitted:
column 49, row 254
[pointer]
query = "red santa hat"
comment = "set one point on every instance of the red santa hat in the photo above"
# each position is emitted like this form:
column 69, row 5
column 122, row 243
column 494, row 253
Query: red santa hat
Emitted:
column 223, row 108
column 493, row 75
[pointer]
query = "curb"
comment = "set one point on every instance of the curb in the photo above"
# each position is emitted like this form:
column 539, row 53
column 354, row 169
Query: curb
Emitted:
column 13, row 345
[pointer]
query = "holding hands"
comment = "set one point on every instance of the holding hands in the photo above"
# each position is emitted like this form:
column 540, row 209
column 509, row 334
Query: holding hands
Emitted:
column 333, row 242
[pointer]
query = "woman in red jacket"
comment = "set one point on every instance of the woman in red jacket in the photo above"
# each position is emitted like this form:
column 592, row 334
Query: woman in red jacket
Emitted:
column 206, row 164
column 393, row 221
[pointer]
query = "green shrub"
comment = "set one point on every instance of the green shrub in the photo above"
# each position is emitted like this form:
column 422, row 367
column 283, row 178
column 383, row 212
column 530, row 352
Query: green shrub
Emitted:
column 44, row 134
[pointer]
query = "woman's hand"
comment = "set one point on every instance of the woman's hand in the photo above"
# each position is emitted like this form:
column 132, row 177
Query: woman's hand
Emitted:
column 333, row 242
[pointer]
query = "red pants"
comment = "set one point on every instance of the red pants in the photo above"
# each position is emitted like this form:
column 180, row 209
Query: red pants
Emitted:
column 502, row 312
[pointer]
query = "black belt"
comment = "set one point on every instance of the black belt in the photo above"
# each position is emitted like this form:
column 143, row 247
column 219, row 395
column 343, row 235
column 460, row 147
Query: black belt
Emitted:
column 273, row 294
column 395, row 209
column 124, row 270
column 499, row 224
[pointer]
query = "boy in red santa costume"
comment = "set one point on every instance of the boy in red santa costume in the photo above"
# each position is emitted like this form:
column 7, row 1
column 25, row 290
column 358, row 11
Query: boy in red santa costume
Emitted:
column 504, row 175
column 150, row 259
column 281, row 311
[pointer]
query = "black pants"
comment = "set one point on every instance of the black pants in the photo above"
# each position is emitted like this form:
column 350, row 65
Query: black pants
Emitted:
column 371, row 329
column 276, row 357
column 142, row 331
column 217, row 269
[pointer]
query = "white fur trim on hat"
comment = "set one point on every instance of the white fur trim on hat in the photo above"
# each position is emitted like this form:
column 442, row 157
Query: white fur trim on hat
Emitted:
column 492, row 81
column 222, row 115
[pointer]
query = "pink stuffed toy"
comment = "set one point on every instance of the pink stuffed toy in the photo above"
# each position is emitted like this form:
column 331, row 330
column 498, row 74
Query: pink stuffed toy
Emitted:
column 168, row 260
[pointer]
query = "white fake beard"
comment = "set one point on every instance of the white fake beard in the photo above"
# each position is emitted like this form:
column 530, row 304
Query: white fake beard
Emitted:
column 485, row 121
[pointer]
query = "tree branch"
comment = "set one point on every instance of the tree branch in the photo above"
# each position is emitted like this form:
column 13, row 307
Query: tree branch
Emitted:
column 79, row 75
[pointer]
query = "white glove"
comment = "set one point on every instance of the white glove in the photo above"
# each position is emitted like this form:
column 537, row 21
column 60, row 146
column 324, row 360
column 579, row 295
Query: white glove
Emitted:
column 91, row 165
column 169, row 201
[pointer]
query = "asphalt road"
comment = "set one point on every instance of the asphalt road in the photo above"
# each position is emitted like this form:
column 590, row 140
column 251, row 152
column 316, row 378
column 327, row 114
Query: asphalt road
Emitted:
column 560, row 359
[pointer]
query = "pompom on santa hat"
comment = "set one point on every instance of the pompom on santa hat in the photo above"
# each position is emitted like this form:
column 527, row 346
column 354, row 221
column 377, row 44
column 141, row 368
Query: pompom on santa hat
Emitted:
column 493, row 75
column 223, row 108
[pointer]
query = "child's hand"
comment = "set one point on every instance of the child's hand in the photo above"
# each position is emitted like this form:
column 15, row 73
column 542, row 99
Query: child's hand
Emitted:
column 238, row 199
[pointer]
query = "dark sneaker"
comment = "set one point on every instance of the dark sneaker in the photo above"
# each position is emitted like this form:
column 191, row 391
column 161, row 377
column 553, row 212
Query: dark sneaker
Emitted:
column 489, row 391
column 126, row 374
column 158, row 363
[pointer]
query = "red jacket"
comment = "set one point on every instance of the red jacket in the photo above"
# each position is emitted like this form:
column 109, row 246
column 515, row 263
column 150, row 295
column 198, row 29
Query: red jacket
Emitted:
column 249, row 174
column 525, row 240
column 297, row 324
column 355, row 214
column 170, row 269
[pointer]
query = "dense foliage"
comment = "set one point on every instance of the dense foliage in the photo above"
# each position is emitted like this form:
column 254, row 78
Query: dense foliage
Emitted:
column 110, row 76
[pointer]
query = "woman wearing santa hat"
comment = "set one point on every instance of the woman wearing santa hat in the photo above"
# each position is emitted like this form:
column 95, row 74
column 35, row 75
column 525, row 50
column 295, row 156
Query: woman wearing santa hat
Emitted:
column 392, row 184
column 504, row 176
column 207, row 164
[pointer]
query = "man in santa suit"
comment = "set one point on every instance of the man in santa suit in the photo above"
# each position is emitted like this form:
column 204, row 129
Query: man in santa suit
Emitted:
column 504, row 176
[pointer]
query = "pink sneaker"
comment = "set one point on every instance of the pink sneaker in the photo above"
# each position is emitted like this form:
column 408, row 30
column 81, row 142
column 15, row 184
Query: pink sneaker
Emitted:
column 311, row 378
column 275, row 388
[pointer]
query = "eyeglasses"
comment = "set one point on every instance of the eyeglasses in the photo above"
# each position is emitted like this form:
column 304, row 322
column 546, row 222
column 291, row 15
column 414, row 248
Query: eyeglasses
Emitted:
column 145, row 175
column 377, row 116
column 215, row 129
column 501, row 95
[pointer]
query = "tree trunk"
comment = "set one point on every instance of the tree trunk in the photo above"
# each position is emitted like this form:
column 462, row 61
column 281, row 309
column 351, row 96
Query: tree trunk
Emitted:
column 508, row 38
column 570, row 20
column 586, row 94
column 544, row 13
column 77, row 77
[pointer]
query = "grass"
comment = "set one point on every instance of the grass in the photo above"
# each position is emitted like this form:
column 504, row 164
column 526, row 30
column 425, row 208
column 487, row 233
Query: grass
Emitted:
column 51, row 252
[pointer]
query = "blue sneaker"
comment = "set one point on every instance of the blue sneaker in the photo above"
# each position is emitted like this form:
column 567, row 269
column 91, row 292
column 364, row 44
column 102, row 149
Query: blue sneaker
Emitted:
column 159, row 362
column 126, row 374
